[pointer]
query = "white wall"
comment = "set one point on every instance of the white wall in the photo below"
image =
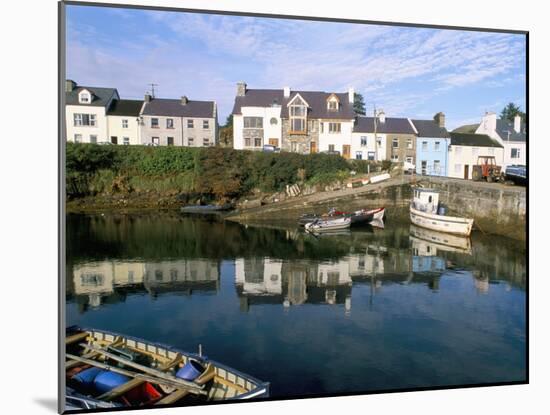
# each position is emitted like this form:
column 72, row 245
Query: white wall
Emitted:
column 100, row 130
column 508, row 160
column 114, row 128
column 459, row 156
column 338, row 139
column 270, row 131
column 370, row 147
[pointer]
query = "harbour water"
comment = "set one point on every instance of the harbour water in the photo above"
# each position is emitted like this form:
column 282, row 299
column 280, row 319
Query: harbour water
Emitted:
column 358, row 311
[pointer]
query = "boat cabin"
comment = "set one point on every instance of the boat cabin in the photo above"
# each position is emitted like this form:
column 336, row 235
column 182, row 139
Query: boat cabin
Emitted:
column 426, row 200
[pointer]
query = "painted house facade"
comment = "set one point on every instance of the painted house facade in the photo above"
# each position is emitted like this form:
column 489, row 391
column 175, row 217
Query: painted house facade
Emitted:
column 123, row 122
column 432, row 146
column 298, row 121
column 86, row 112
column 178, row 122
column 465, row 150
column 512, row 136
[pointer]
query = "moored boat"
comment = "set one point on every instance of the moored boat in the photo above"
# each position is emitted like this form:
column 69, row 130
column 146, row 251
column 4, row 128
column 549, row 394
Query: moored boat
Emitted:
column 105, row 369
column 329, row 225
column 361, row 216
column 441, row 241
column 427, row 212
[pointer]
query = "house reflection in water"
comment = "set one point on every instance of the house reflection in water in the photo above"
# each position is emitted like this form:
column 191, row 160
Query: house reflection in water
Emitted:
column 296, row 282
column 101, row 281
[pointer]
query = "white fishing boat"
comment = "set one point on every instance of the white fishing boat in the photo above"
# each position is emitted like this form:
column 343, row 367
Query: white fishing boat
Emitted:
column 439, row 241
column 328, row 225
column 427, row 212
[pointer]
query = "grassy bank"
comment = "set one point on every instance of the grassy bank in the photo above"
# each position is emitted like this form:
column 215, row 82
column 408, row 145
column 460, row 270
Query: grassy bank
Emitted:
column 107, row 174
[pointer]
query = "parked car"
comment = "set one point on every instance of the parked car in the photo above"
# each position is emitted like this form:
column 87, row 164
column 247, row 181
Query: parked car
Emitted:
column 268, row 148
column 333, row 152
column 105, row 143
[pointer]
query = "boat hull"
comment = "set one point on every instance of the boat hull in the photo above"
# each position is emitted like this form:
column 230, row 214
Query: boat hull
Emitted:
column 440, row 223
column 329, row 225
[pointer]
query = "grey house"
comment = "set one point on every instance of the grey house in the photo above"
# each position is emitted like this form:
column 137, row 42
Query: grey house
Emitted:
column 178, row 122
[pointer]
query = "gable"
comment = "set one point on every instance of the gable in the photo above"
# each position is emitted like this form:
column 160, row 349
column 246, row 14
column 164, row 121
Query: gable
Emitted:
column 297, row 100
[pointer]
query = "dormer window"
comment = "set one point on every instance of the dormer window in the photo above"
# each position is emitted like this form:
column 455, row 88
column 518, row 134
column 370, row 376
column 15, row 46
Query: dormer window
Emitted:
column 84, row 97
column 333, row 103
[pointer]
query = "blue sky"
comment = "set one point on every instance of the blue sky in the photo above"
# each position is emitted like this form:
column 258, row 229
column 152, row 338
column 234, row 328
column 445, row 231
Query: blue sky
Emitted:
column 409, row 72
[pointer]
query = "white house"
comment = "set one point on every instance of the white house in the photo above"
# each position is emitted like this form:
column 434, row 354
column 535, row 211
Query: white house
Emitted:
column 123, row 122
column 512, row 136
column 465, row 149
column 86, row 112
column 298, row 121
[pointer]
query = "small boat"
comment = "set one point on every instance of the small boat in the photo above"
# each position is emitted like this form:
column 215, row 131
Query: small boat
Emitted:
column 362, row 216
column 427, row 212
column 335, row 224
column 206, row 209
column 110, row 370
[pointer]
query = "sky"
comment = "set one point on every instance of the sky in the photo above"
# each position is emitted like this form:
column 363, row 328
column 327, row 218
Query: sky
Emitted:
column 406, row 71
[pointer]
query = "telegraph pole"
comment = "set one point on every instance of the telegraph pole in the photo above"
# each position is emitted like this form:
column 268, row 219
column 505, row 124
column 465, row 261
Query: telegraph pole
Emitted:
column 375, row 135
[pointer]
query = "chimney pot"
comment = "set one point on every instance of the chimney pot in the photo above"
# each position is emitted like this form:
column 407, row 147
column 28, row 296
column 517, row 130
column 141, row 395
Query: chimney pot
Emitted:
column 241, row 89
column 184, row 100
column 147, row 98
column 286, row 91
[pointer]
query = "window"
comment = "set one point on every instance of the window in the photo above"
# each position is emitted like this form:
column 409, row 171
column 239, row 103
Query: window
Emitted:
column 87, row 120
column 190, row 141
column 331, row 148
column 247, row 141
column 334, row 127
column 423, row 167
column 359, row 155
column 298, row 115
column 409, row 159
column 436, row 146
column 363, row 141
column 437, row 167
column 190, row 124
column 93, row 139
column 205, row 124
column 170, row 141
column 322, row 127
column 333, row 105
column 394, row 157
column 154, row 123
column 273, row 121
column 458, row 168
column 124, row 123
column 78, row 138
column 114, row 140
column 257, row 142
column 126, row 141
column 409, row 143
column 515, row 153
column 395, row 142
column 253, row 122
column 155, row 141
column 169, row 123
column 370, row 155
column 84, row 98
column 205, row 142
column 424, row 146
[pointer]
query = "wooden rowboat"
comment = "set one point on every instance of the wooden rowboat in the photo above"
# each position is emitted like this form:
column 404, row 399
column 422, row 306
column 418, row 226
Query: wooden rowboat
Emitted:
column 329, row 225
column 109, row 370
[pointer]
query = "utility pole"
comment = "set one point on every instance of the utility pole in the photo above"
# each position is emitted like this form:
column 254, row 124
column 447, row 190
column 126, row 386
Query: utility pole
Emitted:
column 375, row 135
column 153, row 89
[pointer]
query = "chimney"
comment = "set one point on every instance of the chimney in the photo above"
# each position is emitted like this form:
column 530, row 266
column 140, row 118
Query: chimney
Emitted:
column 490, row 123
column 184, row 100
column 351, row 95
column 517, row 124
column 241, row 89
column 286, row 91
column 381, row 117
column 439, row 119
column 147, row 98
column 69, row 85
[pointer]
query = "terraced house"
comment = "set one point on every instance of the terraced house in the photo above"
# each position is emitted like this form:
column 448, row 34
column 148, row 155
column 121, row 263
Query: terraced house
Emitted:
column 298, row 121
column 432, row 146
column 178, row 122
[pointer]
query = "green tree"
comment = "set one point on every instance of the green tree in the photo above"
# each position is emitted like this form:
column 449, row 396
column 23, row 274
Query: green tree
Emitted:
column 510, row 111
column 359, row 104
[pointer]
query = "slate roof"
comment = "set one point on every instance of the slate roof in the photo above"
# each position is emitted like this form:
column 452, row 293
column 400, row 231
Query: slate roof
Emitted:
column 174, row 108
column 473, row 140
column 317, row 101
column 429, row 128
column 503, row 126
column 391, row 125
column 125, row 107
column 467, row 128
column 100, row 96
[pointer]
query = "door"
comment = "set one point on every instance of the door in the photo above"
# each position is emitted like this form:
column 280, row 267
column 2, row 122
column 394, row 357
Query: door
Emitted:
column 114, row 140
column 424, row 166
column 274, row 142
column 313, row 147
column 346, row 151
column 466, row 173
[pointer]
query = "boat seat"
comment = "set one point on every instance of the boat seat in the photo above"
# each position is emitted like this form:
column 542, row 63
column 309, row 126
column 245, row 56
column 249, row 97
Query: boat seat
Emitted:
column 120, row 390
column 178, row 394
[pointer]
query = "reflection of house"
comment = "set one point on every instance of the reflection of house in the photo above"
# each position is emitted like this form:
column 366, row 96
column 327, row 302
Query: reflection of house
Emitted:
column 93, row 279
column 259, row 276
column 181, row 275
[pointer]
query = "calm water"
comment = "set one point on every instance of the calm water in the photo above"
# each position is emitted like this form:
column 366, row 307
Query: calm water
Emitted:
column 361, row 311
